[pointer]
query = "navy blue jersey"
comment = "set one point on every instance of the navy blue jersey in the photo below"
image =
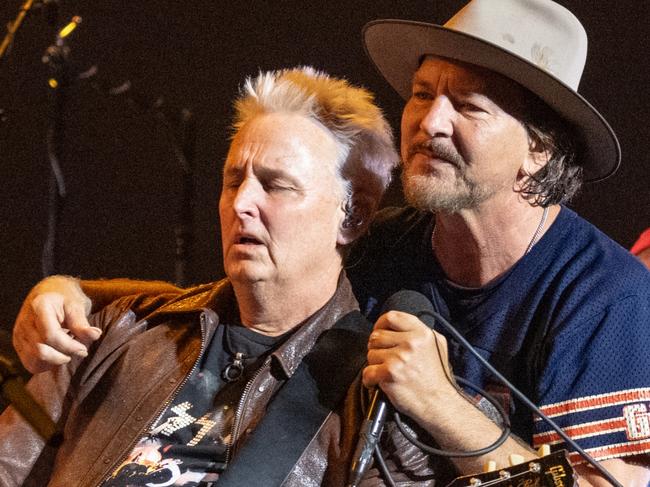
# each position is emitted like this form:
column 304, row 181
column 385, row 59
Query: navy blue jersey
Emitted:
column 569, row 324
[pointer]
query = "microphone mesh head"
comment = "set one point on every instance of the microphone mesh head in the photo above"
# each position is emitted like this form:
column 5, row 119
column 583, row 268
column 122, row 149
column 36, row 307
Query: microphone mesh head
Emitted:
column 411, row 302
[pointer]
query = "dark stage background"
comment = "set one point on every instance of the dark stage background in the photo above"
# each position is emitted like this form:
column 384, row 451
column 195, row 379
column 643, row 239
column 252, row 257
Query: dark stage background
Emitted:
column 123, row 180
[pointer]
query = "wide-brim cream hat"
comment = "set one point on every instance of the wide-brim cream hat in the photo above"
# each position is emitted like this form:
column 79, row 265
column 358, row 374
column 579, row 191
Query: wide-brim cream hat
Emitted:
column 537, row 43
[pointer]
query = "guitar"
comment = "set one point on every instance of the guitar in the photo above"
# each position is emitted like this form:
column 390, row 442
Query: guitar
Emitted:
column 552, row 470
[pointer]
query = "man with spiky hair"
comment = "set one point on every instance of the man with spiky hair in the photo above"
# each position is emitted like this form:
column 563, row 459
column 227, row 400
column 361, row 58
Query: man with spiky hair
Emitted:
column 233, row 381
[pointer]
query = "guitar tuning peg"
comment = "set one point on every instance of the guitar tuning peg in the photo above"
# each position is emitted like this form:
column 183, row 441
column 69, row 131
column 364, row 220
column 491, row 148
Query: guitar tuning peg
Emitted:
column 490, row 466
column 544, row 450
column 515, row 459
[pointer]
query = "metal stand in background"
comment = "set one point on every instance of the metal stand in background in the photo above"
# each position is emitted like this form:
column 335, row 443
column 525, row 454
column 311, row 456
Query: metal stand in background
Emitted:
column 180, row 128
column 50, row 9
column 184, row 231
column 56, row 57
column 12, row 27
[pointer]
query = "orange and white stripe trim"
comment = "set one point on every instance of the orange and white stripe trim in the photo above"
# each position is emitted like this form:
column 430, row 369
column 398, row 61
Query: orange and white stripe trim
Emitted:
column 613, row 451
column 595, row 402
column 585, row 430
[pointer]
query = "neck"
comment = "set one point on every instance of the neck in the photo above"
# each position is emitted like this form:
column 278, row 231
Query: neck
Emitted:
column 273, row 309
column 477, row 246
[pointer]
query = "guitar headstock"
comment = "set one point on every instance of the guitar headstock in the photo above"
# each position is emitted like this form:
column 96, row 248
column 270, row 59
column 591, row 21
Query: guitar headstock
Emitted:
column 551, row 470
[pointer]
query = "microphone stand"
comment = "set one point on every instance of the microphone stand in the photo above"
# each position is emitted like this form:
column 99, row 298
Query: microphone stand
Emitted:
column 184, row 231
column 50, row 8
column 184, row 150
column 12, row 27
column 180, row 127
column 56, row 57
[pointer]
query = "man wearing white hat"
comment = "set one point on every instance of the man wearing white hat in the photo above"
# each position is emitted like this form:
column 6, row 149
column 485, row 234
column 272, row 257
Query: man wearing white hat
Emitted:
column 495, row 139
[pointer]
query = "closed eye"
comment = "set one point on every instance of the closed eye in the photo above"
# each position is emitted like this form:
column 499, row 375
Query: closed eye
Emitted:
column 278, row 187
column 422, row 95
column 470, row 107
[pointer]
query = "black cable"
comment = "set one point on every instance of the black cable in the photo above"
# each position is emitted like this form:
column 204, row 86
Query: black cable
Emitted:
column 522, row 397
column 505, row 433
column 383, row 468
column 381, row 464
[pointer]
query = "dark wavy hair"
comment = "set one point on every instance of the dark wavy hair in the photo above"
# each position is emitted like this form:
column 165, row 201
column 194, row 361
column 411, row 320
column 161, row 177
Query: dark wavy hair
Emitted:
column 561, row 178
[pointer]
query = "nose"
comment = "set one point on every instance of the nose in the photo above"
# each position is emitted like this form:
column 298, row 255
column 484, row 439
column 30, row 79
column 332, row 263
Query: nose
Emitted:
column 246, row 199
column 438, row 119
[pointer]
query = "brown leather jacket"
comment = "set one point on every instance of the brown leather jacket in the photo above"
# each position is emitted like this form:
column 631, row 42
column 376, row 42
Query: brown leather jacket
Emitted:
column 108, row 401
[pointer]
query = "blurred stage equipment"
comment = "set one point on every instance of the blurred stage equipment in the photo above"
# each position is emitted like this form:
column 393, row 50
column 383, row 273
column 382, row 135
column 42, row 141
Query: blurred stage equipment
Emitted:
column 180, row 128
column 49, row 8
column 57, row 58
column 13, row 390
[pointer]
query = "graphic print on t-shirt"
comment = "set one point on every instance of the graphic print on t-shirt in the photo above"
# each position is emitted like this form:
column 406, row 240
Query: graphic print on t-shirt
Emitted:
column 187, row 445
column 180, row 450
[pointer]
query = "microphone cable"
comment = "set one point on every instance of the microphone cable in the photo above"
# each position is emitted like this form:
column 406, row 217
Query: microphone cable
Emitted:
column 521, row 396
column 437, row 317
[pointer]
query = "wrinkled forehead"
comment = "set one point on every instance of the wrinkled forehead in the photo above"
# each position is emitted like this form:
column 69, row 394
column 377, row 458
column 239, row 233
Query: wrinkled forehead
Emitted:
column 290, row 142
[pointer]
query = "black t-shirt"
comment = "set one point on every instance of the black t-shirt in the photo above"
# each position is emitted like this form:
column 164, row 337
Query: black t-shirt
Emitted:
column 187, row 445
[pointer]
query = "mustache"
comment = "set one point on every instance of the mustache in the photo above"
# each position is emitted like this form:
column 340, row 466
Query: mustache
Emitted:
column 436, row 149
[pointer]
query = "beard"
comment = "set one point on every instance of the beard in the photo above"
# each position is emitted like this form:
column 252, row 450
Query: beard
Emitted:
column 427, row 192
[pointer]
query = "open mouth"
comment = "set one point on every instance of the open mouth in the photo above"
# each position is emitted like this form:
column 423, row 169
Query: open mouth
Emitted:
column 247, row 241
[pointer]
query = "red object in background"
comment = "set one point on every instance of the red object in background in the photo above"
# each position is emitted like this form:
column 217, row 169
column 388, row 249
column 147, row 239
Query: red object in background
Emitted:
column 642, row 243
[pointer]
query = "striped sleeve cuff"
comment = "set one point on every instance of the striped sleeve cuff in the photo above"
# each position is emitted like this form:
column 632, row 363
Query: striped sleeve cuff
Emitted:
column 606, row 426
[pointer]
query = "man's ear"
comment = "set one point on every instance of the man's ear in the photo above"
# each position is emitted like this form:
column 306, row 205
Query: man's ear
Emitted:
column 358, row 211
column 537, row 157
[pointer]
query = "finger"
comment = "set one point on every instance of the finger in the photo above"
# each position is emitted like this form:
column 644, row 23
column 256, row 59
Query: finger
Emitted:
column 398, row 321
column 393, row 365
column 373, row 375
column 48, row 329
column 377, row 356
column 45, row 314
column 48, row 357
column 381, row 338
column 29, row 341
column 418, row 338
column 77, row 322
column 38, row 357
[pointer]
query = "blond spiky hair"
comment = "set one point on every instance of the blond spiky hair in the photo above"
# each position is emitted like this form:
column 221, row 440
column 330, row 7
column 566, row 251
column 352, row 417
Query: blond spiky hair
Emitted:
column 363, row 136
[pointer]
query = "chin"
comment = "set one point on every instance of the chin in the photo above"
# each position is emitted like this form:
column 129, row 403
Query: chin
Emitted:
column 244, row 273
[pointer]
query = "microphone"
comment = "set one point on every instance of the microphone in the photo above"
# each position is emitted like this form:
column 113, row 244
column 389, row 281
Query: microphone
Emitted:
column 418, row 305
column 14, row 390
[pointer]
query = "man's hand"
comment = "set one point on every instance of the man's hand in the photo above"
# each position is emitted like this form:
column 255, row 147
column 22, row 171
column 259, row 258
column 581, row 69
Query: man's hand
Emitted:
column 52, row 324
column 408, row 361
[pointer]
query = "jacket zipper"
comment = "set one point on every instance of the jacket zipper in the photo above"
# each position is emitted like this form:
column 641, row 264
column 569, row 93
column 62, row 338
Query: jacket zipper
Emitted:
column 240, row 407
column 163, row 407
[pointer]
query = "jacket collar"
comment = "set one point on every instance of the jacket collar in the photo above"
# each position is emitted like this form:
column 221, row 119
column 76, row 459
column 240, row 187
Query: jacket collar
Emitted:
column 290, row 353
column 220, row 297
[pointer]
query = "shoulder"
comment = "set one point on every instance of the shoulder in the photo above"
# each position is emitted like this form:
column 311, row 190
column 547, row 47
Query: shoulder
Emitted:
column 151, row 307
column 395, row 223
column 587, row 279
column 395, row 234
column 395, row 252
column 576, row 255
